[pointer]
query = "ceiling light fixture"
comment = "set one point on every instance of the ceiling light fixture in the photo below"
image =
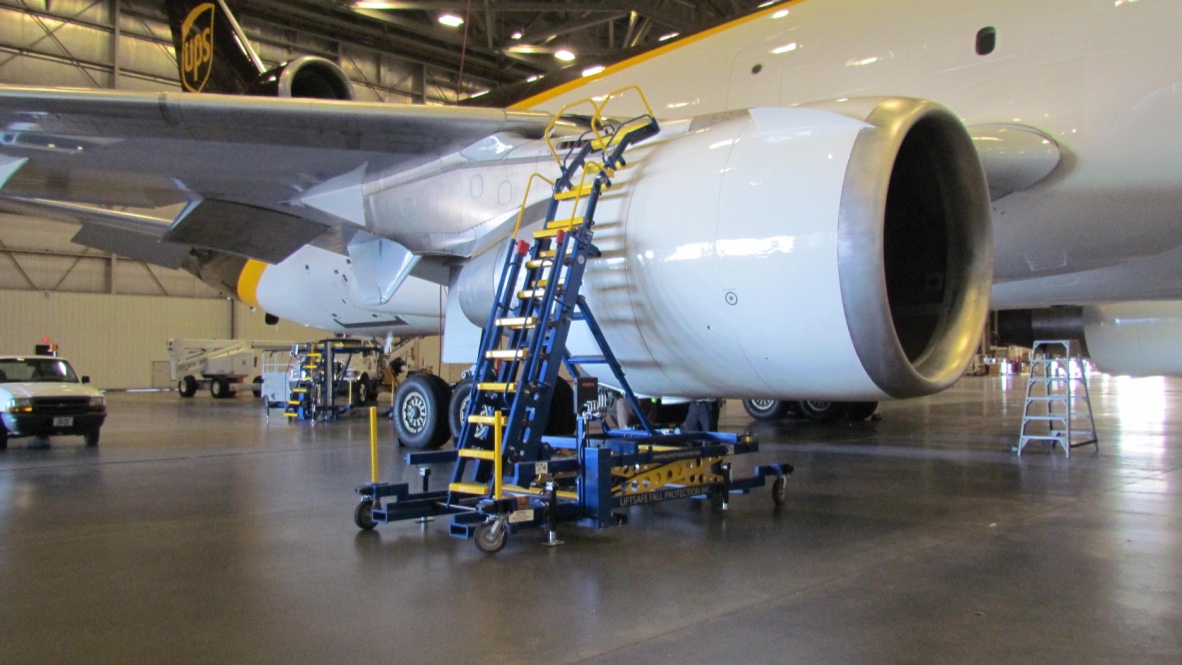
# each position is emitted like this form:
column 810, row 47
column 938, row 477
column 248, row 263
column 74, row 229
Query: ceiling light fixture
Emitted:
column 564, row 55
column 451, row 20
column 665, row 38
column 592, row 71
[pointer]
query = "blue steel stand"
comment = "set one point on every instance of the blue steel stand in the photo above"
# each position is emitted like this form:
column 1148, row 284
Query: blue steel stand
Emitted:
column 506, row 475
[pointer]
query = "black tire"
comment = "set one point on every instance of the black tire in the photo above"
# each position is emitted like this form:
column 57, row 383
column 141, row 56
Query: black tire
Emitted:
column 420, row 417
column 220, row 388
column 765, row 409
column 3, row 438
column 491, row 536
column 363, row 515
column 360, row 393
column 563, row 421
column 861, row 410
column 91, row 438
column 457, row 406
column 187, row 386
column 780, row 491
column 256, row 386
column 823, row 412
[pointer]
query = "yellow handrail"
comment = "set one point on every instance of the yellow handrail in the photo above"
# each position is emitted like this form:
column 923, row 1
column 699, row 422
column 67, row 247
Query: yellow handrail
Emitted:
column 558, row 116
column 525, row 200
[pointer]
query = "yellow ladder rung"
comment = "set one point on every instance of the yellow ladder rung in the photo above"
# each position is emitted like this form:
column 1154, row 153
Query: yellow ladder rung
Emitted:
column 477, row 453
column 294, row 402
column 507, row 354
column 468, row 488
column 483, row 420
column 531, row 293
column 289, row 414
column 565, row 224
column 543, row 282
column 497, row 387
column 314, row 354
column 518, row 322
column 575, row 192
column 299, row 390
column 539, row 263
column 550, row 232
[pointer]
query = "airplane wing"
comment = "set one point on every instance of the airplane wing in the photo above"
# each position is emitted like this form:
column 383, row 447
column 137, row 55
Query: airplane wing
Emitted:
column 235, row 164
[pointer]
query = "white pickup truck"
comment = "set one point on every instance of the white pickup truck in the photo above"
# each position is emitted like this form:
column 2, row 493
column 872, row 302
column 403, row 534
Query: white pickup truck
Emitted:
column 42, row 396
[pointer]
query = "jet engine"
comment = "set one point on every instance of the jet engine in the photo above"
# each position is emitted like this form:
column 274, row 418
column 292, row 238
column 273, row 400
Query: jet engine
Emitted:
column 307, row 76
column 791, row 253
column 1133, row 338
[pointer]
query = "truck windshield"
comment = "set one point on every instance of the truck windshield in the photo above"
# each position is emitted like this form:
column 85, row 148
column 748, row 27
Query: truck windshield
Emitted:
column 22, row 370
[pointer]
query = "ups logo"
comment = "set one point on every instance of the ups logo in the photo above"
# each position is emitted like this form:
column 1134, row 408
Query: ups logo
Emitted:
column 197, row 47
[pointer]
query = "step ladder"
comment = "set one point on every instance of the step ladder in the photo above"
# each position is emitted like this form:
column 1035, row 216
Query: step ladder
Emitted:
column 523, row 346
column 1058, row 408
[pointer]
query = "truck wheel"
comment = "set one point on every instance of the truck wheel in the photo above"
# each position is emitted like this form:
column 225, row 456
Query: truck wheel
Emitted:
column 420, row 411
column 91, row 438
column 220, row 388
column 187, row 386
column 257, row 386
column 362, row 391
column 765, row 409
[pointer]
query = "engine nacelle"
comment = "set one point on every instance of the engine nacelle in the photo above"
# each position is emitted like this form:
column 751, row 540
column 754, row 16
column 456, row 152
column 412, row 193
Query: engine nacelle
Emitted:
column 1131, row 338
column 791, row 253
column 307, row 77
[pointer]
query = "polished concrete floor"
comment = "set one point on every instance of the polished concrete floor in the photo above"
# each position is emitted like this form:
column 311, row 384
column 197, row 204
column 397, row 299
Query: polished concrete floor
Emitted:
column 201, row 532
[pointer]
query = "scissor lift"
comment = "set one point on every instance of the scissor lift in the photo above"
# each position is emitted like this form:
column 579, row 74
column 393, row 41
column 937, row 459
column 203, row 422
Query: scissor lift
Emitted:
column 506, row 475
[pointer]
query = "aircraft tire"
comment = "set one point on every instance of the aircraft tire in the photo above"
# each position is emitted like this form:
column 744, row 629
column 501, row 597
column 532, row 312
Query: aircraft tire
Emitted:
column 823, row 412
column 765, row 409
column 420, row 415
column 861, row 410
column 458, row 406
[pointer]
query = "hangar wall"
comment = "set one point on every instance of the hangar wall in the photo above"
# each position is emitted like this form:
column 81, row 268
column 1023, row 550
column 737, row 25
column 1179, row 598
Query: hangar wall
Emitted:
column 115, row 338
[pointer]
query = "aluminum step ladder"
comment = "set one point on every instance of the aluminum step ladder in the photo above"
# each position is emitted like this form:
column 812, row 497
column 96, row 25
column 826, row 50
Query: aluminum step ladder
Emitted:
column 1058, row 409
column 523, row 345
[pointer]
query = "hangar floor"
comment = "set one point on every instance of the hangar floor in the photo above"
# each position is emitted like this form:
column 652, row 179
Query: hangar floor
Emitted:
column 199, row 531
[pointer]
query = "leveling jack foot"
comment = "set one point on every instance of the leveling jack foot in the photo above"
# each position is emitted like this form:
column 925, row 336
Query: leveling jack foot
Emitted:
column 552, row 539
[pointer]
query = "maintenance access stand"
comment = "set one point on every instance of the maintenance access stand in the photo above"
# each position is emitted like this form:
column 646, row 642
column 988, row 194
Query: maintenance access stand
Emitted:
column 324, row 376
column 506, row 476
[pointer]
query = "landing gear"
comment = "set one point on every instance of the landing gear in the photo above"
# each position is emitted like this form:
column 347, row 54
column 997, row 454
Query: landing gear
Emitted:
column 765, row 409
column 861, row 410
column 458, row 407
column 823, row 412
column 420, row 413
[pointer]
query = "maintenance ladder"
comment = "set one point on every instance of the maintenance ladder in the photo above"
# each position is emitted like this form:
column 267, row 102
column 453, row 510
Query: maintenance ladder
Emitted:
column 1058, row 409
column 504, row 476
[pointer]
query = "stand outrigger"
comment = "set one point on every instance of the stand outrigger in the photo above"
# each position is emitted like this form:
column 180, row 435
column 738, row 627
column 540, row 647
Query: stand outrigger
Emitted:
column 506, row 475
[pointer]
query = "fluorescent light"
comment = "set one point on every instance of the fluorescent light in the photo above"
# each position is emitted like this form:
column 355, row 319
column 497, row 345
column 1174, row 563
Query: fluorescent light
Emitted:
column 517, row 35
column 780, row 14
column 532, row 79
column 479, row 94
column 564, row 55
column 451, row 20
column 769, row 3
column 784, row 49
column 665, row 38
column 592, row 71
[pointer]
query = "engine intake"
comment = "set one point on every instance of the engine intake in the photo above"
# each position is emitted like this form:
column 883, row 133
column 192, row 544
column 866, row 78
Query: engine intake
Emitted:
column 307, row 77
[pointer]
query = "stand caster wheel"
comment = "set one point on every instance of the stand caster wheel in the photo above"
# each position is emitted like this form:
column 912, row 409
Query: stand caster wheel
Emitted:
column 492, row 536
column 363, row 515
column 780, row 491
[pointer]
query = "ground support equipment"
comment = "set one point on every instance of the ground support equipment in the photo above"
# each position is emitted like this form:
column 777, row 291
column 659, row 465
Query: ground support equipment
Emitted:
column 1058, row 408
column 327, row 371
column 506, row 475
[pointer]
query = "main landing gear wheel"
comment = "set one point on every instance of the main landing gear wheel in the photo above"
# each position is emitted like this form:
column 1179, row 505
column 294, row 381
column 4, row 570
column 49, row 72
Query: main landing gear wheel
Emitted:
column 823, row 412
column 187, row 386
column 780, row 491
column 458, row 407
column 420, row 411
column 765, row 409
column 492, row 536
column 363, row 515
column 861, row 410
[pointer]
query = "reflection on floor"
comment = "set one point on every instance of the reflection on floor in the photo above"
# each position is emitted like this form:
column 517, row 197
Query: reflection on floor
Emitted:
column 202, row 531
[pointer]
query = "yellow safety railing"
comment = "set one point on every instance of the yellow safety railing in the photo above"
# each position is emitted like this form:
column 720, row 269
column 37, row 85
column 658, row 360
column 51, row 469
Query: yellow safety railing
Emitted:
column 525, row 199
column 373, row 443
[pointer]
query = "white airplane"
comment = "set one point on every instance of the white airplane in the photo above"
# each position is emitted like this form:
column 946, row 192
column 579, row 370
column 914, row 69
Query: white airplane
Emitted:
column 839, row 190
